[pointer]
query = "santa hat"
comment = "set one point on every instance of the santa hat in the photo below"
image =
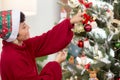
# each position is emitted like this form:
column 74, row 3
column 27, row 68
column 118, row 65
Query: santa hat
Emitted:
column 9, row 24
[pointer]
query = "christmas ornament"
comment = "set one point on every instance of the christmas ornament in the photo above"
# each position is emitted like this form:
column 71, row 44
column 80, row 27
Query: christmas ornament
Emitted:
column 117, row 45
column 80, row 43
column 88, row 27
column 78, row 59
column 98, row 34
column 92, row 75
column 117, row 78
column 109, row 75
column 86, row 43
column 106, row 7
column 78, row 65
column 74, row 50
column 93, row 24
column 83, row 59
column 87, row 66
column 71, row 60
column 117, row 64
column 87, row 18
column 76, row 78
column 78, row 28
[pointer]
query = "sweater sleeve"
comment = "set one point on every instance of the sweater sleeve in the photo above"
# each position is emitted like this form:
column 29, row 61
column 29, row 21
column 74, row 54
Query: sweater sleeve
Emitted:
column 52, row 71
column 19, row 71
column 54, row 40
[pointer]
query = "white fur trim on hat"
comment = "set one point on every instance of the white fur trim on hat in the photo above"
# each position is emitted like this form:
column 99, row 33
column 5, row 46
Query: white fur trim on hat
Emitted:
column 15, row 25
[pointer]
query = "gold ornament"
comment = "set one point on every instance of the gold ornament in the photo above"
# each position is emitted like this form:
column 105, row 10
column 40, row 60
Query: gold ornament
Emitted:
column 78, row 28
column 71, row 60
column 93, row 75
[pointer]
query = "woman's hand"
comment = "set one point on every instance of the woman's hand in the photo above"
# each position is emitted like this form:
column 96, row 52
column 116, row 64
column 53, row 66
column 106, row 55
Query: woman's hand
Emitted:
column 61, row 56
column 77, row 18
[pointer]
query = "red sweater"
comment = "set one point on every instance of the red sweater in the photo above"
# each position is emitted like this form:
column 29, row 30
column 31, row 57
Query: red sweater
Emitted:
column 18, row 62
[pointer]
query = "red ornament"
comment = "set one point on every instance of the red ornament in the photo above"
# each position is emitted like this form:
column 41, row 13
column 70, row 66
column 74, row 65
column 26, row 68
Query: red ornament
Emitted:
column 118, row 78
column 87, row 66
column 88, row 27
column 80, row 43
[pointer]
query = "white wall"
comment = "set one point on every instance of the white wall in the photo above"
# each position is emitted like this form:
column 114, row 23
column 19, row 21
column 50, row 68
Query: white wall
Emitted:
column 0, row 4
column 48, row 12
column 47, row 15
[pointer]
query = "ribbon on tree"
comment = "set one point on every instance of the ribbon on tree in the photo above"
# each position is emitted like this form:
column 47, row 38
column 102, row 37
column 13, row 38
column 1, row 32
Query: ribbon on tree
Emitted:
column 86, row 4
column 87, row 18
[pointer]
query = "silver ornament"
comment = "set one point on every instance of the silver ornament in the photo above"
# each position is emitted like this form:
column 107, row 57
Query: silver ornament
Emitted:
column 109, row 75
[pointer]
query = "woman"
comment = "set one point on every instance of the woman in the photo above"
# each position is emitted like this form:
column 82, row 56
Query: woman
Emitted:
column 19, row 50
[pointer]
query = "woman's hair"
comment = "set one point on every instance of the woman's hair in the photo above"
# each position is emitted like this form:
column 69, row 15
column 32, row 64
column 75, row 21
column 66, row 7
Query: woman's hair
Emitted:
column 22, row 17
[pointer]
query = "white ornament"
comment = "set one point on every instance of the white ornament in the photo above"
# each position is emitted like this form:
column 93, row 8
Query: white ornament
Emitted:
column 78, row 60
column 86, row 43
column 98, row 33
column 93, row 24
column 112, row 53
column 109, row 75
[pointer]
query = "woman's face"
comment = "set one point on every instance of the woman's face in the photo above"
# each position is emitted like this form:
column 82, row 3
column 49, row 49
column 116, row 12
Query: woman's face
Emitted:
column 23, row 33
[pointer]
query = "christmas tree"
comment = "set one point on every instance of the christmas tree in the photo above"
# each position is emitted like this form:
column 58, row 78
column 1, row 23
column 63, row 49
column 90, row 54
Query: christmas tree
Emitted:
column 94, row 52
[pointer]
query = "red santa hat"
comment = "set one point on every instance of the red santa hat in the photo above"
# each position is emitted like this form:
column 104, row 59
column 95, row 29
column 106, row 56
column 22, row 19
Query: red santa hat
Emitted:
column 9, row 24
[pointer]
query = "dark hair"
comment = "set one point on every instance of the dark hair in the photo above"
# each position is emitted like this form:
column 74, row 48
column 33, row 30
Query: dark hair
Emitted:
column 22, row 17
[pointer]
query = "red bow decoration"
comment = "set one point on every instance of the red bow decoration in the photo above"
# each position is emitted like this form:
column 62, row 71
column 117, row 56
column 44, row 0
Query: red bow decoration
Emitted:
column 86, row 4
column 87, row 18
